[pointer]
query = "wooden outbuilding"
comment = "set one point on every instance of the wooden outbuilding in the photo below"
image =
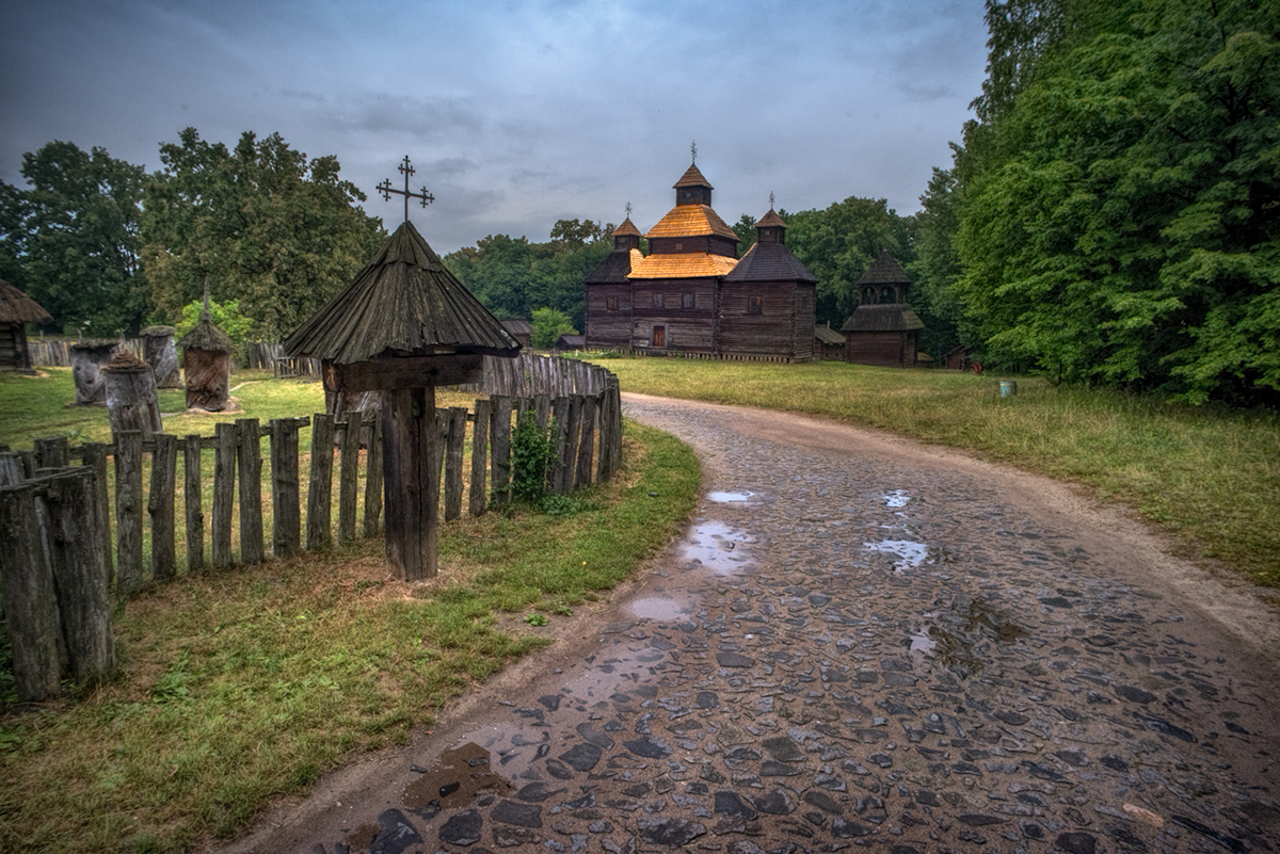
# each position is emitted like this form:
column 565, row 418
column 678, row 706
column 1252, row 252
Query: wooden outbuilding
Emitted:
column 16, row 311
column 404, row 325
column 568, row 343
column 883, row 329
column 520, row 330
column 828, row 344
column 206, row 361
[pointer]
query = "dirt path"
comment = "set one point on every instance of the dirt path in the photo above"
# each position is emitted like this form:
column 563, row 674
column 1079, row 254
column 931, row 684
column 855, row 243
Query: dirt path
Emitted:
column 859, row 641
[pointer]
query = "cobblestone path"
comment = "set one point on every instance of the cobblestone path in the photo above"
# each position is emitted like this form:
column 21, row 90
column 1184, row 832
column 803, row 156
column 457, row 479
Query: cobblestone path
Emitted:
column 852, row 650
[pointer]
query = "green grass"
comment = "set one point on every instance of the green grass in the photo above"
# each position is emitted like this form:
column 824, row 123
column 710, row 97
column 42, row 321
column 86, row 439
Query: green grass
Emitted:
column 1209, row 477
column 242, row 686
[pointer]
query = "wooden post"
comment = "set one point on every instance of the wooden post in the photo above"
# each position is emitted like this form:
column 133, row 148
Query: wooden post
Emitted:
column 349, row 477
column 52, row 452
column 586, row 441
column 373, row 475
column 500, row 440
column 479, row 456
column 542, row 405
column 455, row 445
column 30, row 605
column 193, row 500
column 286, row 528
column 320, row 489
column 160, row 505
column 129, row 510
column 249, row 460
column 80, row 573
column 409, row 437
column 561, row 464
column 11, row 473
column 95, row 457
column 224, row 484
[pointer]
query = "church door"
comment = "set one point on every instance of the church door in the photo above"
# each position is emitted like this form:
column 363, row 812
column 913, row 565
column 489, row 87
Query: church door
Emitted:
column 659, row 337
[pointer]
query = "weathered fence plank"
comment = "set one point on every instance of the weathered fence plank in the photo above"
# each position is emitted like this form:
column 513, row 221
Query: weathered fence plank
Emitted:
column 500, row 450
column 407, row 467
column 249, row 463
column 455, row 446
column 586, row 443
column 80, row 573
column 193, row 499
column 479, row 457
column 52, row 452
column 30, row 606
column 560, row 438
column 129, row 510
column 224, row 479
column 320, row 489
column 349, row 477
column 373, row 474
column 160, row 505
column 95, row 457
column 286, row 510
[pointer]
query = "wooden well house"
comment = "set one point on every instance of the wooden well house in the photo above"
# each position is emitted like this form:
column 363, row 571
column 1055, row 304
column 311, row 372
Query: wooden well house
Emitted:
column 404, row 325
column 206, row 360
column 16, row 311
column 882, row 330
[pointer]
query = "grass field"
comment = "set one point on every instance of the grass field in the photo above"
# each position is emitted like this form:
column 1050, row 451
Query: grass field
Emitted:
column 1209, row 477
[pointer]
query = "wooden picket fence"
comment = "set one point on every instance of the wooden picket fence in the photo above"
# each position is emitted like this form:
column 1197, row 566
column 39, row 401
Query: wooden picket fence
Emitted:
column 586, row 431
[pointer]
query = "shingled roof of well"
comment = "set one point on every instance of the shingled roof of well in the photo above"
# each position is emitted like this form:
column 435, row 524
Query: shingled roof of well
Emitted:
column 404, row 302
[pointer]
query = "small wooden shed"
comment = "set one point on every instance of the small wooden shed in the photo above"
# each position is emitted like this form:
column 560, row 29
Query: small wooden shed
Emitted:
column 16, row 311
column 883, row 329
column 520, row 330
column 206, row 360
column 404, row 325
column 828, row 344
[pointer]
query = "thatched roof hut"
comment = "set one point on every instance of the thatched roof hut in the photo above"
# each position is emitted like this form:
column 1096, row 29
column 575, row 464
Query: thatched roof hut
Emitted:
column 16, row 311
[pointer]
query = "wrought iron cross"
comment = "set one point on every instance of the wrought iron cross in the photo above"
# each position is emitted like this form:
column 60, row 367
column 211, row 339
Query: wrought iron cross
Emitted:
column 628, row 210
column 386, row 189
column 693, row 149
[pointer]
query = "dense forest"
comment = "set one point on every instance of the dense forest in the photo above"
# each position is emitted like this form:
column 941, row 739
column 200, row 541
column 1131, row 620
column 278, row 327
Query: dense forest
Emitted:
column 1109, row 217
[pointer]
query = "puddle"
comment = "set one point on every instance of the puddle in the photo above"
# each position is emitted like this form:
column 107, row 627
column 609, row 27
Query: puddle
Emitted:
column 897, row 498
column 657, row 608
column 910, row 553
column 730, row 497
column 455, row 778
column 716, row 546
column 959, row 630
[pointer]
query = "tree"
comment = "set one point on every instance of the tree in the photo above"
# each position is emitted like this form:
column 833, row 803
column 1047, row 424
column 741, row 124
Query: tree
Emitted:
column 277, row 232
column 71, row 240
column 548, row 326
column 1125, row 226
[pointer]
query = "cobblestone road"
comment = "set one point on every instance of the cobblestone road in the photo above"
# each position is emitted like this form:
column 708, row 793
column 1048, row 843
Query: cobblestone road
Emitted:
column 853, row 649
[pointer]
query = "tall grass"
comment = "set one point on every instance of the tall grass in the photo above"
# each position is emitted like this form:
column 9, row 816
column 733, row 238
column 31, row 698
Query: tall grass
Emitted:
column 1209, row 477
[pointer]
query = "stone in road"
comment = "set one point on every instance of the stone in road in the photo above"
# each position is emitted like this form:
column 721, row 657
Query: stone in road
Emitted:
column 859, row 643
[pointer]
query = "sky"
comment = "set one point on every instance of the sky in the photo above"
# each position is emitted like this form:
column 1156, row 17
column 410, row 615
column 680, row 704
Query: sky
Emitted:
column 515, row 114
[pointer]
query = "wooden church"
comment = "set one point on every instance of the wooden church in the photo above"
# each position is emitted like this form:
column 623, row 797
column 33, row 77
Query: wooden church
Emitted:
column 691, row 295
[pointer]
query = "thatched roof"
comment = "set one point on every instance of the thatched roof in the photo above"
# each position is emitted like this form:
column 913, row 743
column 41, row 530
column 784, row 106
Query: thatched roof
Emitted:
column 884, row 271
column 207, row 336
column 17, row 307
column 404, row 302
column 891, row 317
column 157, row 331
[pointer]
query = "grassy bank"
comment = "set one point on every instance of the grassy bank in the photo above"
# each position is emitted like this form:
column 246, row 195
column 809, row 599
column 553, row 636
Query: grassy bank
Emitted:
column 1209, row 477
column 241, row 686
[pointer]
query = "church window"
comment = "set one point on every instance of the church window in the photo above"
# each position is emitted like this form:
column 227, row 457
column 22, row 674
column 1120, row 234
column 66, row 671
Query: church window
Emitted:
column 687, row 299
column 657, row 299
column 610, row 303
column 755, row 305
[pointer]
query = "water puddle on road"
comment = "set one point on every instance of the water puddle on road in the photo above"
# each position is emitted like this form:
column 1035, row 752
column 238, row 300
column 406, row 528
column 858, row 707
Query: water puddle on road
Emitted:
column 956, row 635
column 657, row 608
column 910, row 554
column 730, row 497
column 896, row 498
column 717, row 546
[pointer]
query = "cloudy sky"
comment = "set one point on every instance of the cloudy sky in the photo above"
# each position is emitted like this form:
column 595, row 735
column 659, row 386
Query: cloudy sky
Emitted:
column 517, row 113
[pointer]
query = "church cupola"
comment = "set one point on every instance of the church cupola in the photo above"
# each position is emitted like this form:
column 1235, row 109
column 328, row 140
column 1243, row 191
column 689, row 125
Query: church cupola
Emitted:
column 692, row 188
column 771, row 228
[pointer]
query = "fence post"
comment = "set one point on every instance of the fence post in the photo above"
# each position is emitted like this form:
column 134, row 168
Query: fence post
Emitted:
column 30, row 606
column 95, row 457
column 320, row 489
column 160, row 505
column 129, row 509
column 52, row 452
column 193, row 499
column 349, row 477
column 456, row 444
column 224, row 480
column 586, row 441
column 286, row 527
column 11, row 473
column 500, row 441
column 249, row 459
column 560, row 426
column 80, row 573
column 373, row 474
column 479, row 456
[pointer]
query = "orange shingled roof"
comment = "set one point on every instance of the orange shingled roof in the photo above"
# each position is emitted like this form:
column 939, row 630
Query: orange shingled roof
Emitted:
column 690, row 265
column 692, row 177
column 691, row 221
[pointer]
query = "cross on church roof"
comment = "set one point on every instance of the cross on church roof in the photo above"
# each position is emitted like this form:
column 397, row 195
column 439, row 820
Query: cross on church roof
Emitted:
column 386, row 189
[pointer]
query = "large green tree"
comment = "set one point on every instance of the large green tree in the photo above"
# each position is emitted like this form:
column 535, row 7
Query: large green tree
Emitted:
column 70, row 239
column 267, row 226
column 1123, row 225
